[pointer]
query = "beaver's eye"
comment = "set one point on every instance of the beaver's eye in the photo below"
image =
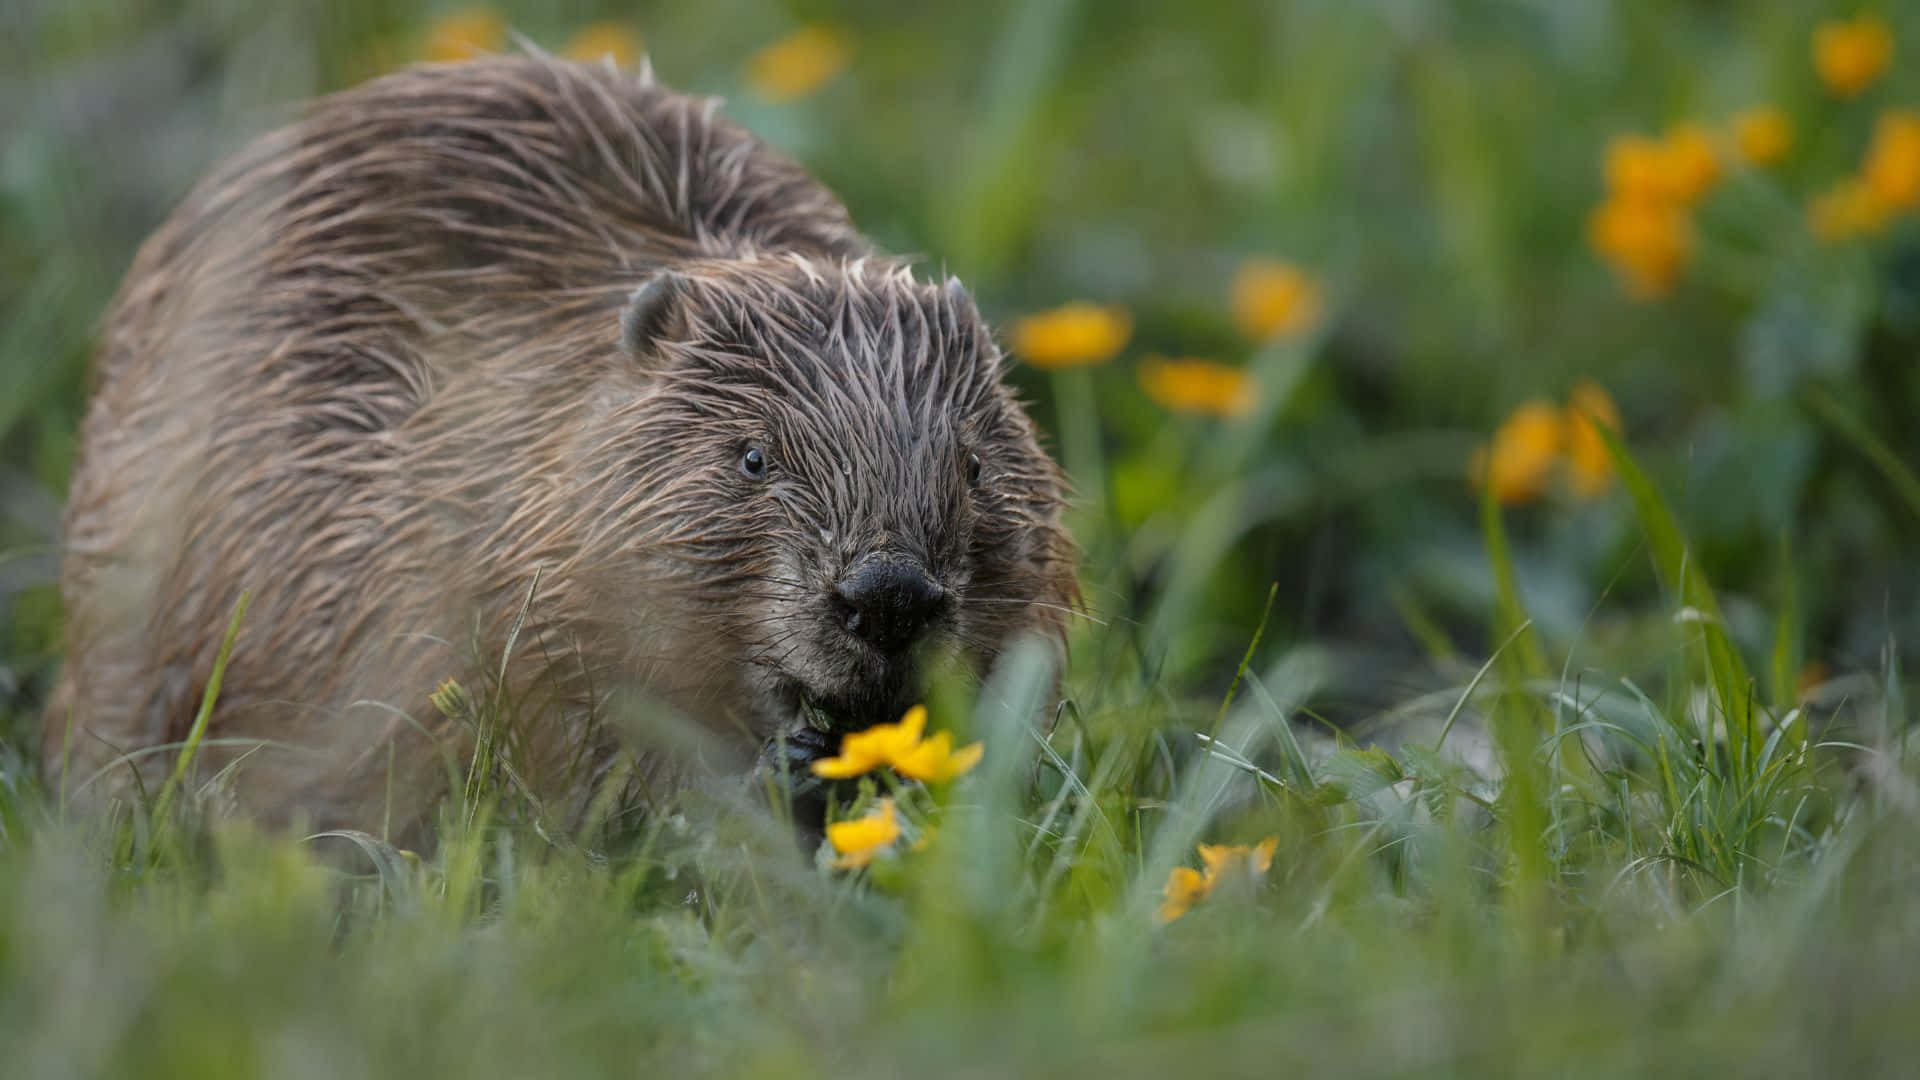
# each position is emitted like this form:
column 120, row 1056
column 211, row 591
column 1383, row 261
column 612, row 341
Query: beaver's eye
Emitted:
column 973, row 470
column 753, row 463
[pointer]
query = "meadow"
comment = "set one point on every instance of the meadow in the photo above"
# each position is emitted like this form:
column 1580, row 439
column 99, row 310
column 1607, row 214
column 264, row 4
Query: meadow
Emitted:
column 1491, row 429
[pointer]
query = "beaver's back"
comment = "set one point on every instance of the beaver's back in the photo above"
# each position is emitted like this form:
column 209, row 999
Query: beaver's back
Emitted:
column 280, row 342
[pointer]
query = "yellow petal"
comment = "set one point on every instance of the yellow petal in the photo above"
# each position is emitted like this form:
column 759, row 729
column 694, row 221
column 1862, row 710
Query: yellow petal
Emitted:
column 934, row 761
column 1763, row 135
column 1850, row 55
column 1261, row 860
column 1185, row 887
column 1198, row 386
column 1523, row 453
column 1274, row 299
column 859, row 840
column 1589, row 463
column 798, row 64
column 1075, row 335
column 1891, row 172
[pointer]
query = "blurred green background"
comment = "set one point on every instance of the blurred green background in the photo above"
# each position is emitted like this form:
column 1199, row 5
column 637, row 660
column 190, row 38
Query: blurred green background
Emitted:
column 1430, row 166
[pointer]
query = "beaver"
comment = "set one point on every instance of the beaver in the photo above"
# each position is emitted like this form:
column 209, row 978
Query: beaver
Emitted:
column 543, row 378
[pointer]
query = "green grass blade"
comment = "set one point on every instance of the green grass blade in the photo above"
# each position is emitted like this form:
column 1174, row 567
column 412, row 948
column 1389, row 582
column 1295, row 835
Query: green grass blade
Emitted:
column 164, row 805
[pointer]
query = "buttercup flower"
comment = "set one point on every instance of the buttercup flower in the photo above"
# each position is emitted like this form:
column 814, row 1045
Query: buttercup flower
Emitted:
column 901, row 747
column 1524, row 451
column 1763, row 135
column 1076, row 335
column 859, row 840
column 1589, row 465
column 610, row 40
column 1223, row 859
column 1849, row 55
column 798, row 64
column 1689, row 163
column 936, row 761
column 1647, row 242
column 1198, row 386
column 1891, row 172
column 464, row 34
column 1846, row 210
column 1273, row 299
column 1186, row 886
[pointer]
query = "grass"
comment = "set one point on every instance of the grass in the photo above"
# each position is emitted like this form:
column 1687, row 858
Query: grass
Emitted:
column 1625, row 883
column 1580, row 786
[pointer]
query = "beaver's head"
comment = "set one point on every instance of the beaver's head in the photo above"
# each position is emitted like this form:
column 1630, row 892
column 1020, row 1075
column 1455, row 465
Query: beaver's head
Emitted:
column 837, row 479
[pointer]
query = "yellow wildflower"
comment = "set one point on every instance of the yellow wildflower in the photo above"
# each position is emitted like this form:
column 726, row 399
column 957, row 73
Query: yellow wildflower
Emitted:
column 1072, row 336
column 1186, row 886
column 1274, row 299
column 1649, row 243
column 1849, row 55
column 465, row 34
column 1198, row 386
column 859, row 840
column 1846, row 210
column 798, row 64
column 936, row 761
column 1891, row 171
column 1589, row 465
column 608, row 40
column 1522, row 454
column 1690, row 163
column 863, row 751
column 1224, row 859
column 1763, row 135
column 1636, row 169
column 901, row 746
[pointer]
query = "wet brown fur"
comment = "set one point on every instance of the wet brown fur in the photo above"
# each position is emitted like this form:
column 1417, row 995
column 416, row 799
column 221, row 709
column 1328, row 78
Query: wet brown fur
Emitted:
column 372, row 371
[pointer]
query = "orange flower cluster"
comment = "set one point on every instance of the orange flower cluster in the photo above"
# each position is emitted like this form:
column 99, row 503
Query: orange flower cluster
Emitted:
column 1538, row 437
column 1850, row 55
column 1644, row 228
column 1186, row 886
column 1887, row 185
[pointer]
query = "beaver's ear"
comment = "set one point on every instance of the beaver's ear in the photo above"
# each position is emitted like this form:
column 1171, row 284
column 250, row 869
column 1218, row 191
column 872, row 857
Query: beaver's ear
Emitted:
column 653, row 312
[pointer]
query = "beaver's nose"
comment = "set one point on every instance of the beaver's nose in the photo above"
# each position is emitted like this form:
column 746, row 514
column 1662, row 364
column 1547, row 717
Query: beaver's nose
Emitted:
column 888, row 603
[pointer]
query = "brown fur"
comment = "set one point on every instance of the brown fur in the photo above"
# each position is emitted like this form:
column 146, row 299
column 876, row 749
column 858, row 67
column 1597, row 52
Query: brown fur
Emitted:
column 372, row 371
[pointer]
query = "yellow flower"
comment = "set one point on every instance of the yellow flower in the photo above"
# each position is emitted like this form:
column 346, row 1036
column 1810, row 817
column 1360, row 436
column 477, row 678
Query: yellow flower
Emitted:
column 859, row 840
column 1523, row 453
column 1850, row 54
column 1649, row 243
column 798, row 64
column 609, row 40
column 1185, row 887
column 1198, row 386
column 1589, row 464
column 1636, row 168
column 1846, row 210
column 1680, row 168
column 464, row 34
column 900, row 746
column 1763, row 135
column 1274, row 299
column 936, row 761
column 1072, row 336
column 1891, row 171
column 1224, row 859
column 864, row 751
column 1691, row 164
